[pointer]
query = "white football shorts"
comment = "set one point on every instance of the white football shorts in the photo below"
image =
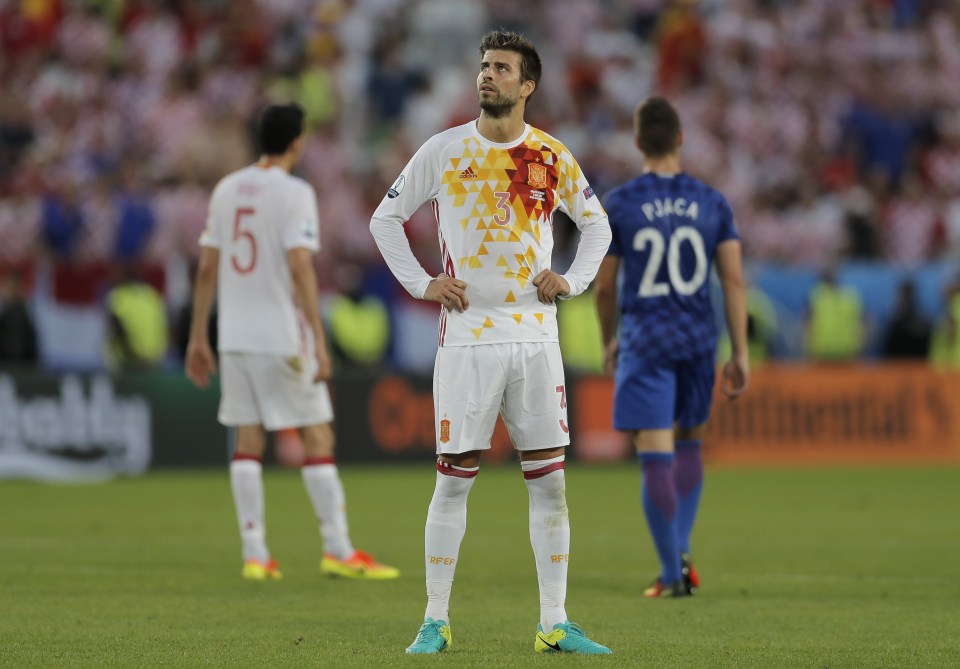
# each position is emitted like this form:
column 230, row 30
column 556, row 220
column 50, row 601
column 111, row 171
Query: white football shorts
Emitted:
column 271, row 390
column 523, row 382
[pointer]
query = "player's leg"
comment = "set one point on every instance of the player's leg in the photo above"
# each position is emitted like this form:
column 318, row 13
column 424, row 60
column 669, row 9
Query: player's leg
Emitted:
column 246, row 483
column 238, row 409
column 322, row 482
column 543, row 473
column 659, row 501
column 464, row 385
column 534, row 409
column 444, row 531
column 644, row 406
column 694, row 395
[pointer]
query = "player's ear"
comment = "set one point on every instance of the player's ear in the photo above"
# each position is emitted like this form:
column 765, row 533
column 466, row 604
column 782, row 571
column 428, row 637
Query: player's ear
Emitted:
column 680, row 140
column 528, row 87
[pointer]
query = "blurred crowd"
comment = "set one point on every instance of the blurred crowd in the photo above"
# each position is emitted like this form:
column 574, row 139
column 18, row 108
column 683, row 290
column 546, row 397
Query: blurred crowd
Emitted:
column 832, row 127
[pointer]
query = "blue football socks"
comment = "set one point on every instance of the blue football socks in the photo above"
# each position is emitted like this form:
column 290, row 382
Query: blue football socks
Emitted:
column 660, row 507
column 688, row 477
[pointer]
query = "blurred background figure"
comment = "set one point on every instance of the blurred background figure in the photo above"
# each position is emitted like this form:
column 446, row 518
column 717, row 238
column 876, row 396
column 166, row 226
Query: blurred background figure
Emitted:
column 359, row 323
column 945, row 344
column 908, row 333
column 138, row 331
column 835, row 331
column 761, row 329
column 18, row 336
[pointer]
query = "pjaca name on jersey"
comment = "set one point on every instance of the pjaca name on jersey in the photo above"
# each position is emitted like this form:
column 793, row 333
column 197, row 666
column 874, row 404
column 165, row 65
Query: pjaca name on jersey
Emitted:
column 667, row 207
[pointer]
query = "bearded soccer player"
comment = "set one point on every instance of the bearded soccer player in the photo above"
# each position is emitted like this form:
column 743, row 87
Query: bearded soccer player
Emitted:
column 668, row 230
column 494, row 184
column 262, row 230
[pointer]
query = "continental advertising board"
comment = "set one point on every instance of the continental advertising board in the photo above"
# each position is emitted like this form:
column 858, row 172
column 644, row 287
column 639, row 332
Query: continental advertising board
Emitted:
column 809, row 414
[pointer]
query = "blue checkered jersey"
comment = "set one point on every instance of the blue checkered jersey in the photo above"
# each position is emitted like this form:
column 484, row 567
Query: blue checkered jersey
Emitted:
column 666, row 230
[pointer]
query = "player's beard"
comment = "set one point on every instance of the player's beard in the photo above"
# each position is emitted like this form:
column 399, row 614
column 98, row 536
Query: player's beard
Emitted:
column 499, row 107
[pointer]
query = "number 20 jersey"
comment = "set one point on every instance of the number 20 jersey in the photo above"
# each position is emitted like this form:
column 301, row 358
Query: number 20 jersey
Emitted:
column 493, row 203
column 256, row 215
column 666, row 228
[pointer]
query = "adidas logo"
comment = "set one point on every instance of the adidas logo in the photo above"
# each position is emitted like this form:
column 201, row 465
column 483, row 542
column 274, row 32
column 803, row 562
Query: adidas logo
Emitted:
column 468, row 174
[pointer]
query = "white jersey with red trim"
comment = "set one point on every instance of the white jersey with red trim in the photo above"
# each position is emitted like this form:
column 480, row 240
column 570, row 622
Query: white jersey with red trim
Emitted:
column 256, row 215
column 493, row 204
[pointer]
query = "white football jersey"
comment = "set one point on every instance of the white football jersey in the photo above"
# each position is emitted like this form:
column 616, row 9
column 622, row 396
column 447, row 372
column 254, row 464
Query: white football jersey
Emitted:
column 493, row 203
column 256, row 215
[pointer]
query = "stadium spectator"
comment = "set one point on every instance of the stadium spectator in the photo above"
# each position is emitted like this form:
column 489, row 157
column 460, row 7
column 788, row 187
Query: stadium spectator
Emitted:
column 945, row 343
column 137, row 317
column 762, row 326
column 18, row 335
column 493, row 184
column 835, row 328
column 668, row 230
column 359, row 322
column 908, row 333
column 262, row 230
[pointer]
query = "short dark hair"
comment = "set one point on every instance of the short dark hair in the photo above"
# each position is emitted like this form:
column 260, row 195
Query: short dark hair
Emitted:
column 505, row 40
column 279, row 126
column 657, row 127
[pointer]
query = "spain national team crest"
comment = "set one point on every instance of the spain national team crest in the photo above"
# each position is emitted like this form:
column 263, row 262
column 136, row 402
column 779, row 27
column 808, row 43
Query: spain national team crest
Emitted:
column 444, row 431
column 537, row 175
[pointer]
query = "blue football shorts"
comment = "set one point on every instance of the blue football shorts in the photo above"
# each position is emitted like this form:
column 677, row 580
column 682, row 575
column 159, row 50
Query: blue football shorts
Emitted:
column 654, row 393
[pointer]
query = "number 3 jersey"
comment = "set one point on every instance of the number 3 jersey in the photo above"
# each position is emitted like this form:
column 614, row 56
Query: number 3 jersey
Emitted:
column 256, row 215
column 493, row 204
column 666, row 228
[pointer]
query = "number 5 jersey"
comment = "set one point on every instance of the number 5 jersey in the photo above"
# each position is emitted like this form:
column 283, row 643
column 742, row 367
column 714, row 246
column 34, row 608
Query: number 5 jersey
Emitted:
column 256, row 215
column 493, row 203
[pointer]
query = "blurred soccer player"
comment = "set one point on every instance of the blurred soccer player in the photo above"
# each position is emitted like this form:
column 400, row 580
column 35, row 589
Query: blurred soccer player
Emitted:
column 493, row 184
column 668, row 229
column 261, row 232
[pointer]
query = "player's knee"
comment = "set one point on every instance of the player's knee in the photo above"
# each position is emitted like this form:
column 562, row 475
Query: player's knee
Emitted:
column 318, row 440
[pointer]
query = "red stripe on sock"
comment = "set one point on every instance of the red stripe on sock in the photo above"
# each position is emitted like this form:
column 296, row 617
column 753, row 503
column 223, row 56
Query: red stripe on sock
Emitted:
column 543, row 471
column 450, row 470
column 328, row 460
column 245, row 456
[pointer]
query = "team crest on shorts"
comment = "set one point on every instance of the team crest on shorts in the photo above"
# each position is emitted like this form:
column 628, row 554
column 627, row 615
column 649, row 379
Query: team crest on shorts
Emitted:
column 444, row 431
column 536, row 175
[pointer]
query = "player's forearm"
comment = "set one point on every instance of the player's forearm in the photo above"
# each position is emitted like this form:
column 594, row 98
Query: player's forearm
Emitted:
column 203, row 294
column 398, row 255
column 593, row 246
column 305, row 285
column 607, row 313
column 735, row 310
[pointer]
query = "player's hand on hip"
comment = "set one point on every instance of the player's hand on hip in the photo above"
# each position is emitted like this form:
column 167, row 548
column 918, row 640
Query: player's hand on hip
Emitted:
column 324, row 366
column 735, row 375
column 549, row 285
column 610, row 353
column 201, row 363
column 450, row 292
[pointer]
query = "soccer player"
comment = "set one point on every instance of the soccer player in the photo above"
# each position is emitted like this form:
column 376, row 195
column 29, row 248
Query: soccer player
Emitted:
column 493, row 184
column 668, row 230
column 261, row 232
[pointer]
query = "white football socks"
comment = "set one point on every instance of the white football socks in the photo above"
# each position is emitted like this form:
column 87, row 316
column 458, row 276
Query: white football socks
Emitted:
column 549, row 535
column 446, row 525
column 246, row 481
column 325, row 490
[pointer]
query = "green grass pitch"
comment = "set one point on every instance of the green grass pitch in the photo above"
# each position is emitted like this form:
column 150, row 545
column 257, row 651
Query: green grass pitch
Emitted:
column 803, row 568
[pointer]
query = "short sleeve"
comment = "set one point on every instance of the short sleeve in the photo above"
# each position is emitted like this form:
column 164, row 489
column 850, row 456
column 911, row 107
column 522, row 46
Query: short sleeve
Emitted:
column 302, row 224
column 211, row 231
column 726, row 228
